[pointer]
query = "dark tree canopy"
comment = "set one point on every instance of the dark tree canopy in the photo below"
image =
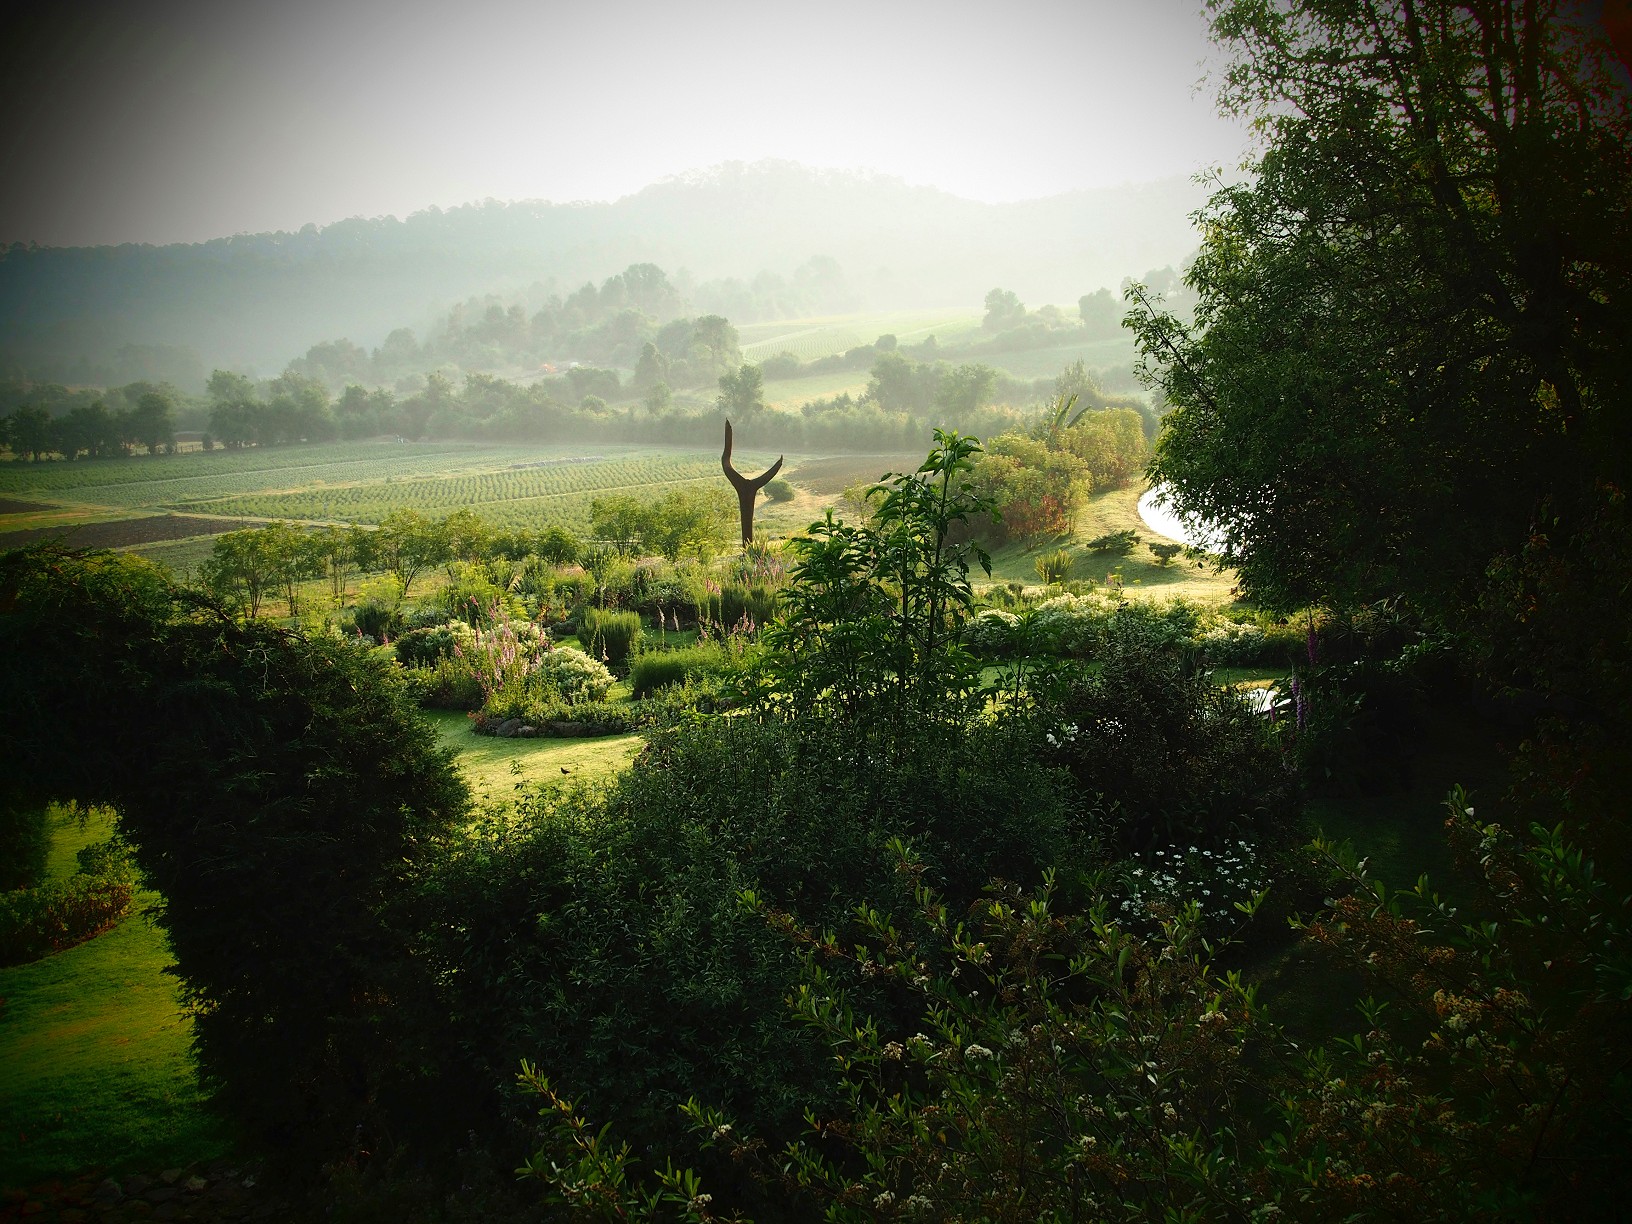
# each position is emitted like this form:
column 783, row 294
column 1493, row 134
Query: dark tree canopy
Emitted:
column 278, row 792
column 1412, row 348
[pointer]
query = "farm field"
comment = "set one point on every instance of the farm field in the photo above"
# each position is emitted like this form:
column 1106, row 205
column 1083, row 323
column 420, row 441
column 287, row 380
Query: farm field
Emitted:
column 810, row 339
column 347, row 482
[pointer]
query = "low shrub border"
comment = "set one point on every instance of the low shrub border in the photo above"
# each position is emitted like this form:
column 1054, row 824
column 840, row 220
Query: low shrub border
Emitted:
column 58, row 914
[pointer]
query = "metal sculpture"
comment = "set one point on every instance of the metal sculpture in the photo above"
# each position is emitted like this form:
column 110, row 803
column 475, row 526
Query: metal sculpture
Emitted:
column 746, row 489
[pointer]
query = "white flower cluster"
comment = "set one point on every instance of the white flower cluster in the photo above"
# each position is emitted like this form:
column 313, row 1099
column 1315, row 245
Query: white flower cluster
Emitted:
column 1216, row 880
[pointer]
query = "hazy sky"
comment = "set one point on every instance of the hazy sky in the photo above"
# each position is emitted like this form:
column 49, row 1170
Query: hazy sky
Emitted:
column 164, row 122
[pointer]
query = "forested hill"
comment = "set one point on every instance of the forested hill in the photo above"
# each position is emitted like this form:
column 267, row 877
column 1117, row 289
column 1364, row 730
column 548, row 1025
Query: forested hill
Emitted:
column 255, row 300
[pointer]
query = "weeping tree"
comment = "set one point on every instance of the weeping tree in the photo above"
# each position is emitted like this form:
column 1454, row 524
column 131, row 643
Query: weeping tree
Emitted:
column 279, row 793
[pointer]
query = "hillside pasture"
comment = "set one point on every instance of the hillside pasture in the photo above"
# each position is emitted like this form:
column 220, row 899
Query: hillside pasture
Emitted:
column 1138, row 573
column 813, row 338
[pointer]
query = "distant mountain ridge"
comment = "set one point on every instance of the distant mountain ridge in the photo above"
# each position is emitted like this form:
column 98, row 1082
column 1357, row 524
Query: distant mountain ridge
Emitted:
column 257, row 300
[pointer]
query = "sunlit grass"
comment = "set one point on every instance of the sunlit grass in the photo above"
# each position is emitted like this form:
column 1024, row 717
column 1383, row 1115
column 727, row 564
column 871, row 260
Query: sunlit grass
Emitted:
column 95, row 1069
column 498, row 767
column 1140, row 573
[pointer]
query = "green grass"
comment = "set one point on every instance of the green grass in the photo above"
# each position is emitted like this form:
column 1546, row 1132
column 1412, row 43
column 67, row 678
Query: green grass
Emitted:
column 1048, row 362
column 791, row 393
column 95, row 1069
column 1141, row 574
column 498, row 767
column 813, row 338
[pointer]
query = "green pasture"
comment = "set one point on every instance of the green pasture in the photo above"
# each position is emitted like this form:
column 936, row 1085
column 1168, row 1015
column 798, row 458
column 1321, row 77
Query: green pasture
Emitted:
column 812, row 338
column 1048, row 362
column 791, row 393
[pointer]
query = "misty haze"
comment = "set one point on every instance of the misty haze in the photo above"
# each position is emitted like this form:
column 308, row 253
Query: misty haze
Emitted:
column 865, row 612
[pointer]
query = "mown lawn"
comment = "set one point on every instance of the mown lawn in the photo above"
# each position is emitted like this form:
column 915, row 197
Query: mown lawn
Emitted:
column 498, row 767
column 95, row 1070
column 1139, row 572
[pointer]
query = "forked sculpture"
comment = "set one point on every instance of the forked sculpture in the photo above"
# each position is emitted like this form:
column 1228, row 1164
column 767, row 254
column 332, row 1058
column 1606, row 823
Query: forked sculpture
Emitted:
column 746, row 489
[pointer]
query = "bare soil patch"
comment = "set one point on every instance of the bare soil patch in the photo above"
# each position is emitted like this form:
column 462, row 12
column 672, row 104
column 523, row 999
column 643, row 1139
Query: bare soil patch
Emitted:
column 11, row 506
column 123, row 533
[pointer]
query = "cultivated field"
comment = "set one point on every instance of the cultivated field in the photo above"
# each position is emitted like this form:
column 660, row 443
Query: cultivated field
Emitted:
column 140, row 501
column 810, row 339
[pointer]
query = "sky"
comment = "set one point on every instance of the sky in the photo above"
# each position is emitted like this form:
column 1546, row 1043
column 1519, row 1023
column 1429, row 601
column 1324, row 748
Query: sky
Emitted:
column 182, row 120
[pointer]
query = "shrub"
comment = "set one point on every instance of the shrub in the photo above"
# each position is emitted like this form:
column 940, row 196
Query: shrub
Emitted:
column 1055, row 566
column 609, row 636
column 656, row 669
column 1118, row 543
column 992, row 633
column 1166, row 552
column 631, row 896
column 57, row 914
column 377, row 621
column 446, row 684
column 25, row 844
column 1175, row 759
column 423, row 647
column 779, row 490
column 574, row 675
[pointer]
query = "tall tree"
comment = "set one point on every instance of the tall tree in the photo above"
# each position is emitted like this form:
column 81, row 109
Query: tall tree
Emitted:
column 1412, row 348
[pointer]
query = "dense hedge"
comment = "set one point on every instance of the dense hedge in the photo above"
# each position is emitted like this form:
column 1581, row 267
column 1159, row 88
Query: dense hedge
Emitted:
column 57, row 914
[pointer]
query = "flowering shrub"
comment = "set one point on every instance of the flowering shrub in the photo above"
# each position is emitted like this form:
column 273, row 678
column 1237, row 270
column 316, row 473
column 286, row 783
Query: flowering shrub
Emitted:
column 574, row 675
column 1221, row 884
column 1061, row 1067
column 992, row 632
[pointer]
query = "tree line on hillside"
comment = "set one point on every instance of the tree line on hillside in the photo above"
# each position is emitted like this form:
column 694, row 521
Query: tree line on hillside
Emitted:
column 908, row 391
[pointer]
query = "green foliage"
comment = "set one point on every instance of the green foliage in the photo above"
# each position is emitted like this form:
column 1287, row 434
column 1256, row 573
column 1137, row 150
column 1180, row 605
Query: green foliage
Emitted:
column 1059, row 1066
column 1117, row 543
column 655, row 669
column 423, row 647
column 1055, row 566
column 574, row 675
column 25, row 844
column 630, row 896
column 779, row 490
column 1174, row 759
column 609, row 636
column 874, row 614
column 57, row 914
column 1372, row 403
column 276, row 792
column 1166, row 552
